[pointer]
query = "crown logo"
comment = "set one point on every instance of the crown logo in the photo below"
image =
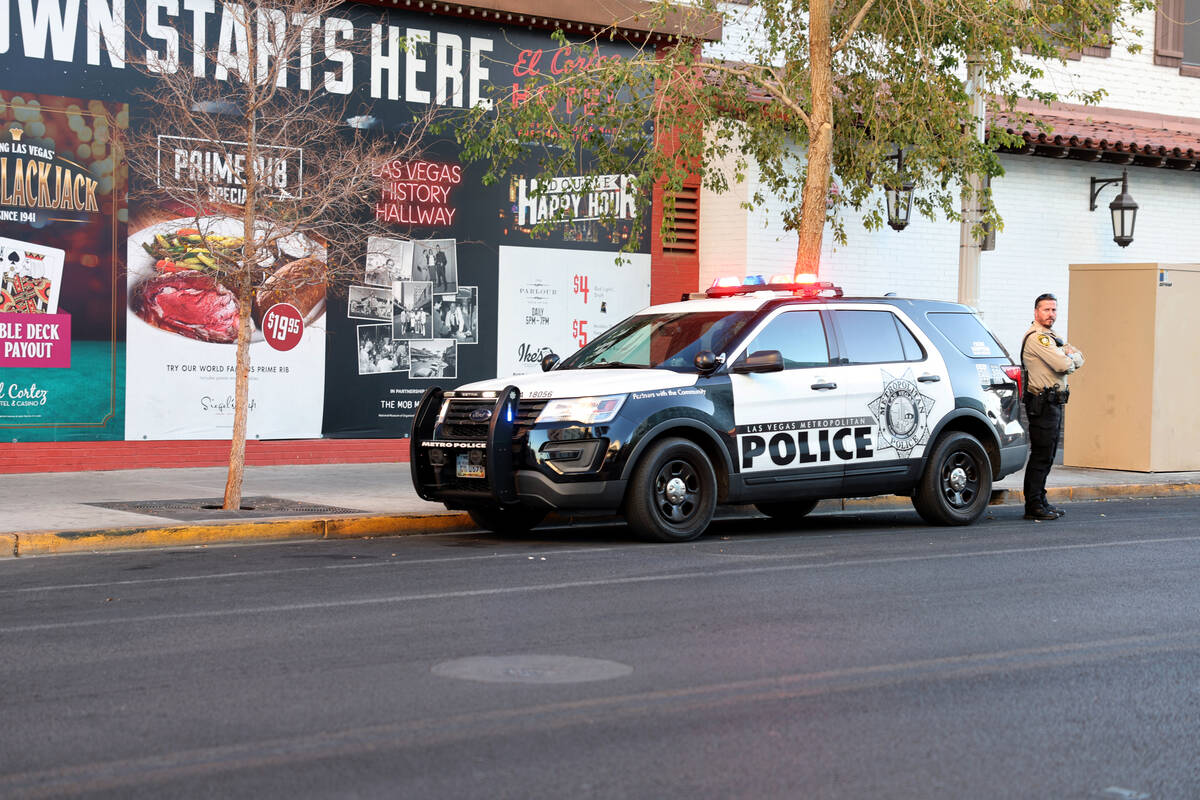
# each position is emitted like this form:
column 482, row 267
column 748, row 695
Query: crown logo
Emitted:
column 16, row 134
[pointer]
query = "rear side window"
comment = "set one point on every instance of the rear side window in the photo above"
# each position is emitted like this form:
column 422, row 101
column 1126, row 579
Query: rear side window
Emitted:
column 875, row 337
column 966, row 332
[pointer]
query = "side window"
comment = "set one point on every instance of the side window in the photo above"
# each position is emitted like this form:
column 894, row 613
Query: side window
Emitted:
column 875, row 337
column 967, row 333
column 799, row 337
column 1176, row 38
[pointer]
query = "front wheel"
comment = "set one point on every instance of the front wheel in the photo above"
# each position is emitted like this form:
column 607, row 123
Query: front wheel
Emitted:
column 673, row 493
column 506, row 520
column 957, row 483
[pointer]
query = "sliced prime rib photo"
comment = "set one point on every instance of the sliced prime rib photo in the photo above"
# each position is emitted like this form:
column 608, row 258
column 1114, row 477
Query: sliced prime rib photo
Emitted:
column 189, row 303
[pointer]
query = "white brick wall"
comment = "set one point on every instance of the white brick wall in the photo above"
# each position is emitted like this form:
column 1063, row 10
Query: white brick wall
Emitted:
column 1044, row 203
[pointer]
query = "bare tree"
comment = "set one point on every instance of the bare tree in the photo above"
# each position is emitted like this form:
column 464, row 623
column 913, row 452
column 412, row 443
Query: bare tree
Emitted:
column 264, row 91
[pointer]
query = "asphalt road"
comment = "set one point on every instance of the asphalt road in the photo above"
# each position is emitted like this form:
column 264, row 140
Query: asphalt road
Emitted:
column 847, row 656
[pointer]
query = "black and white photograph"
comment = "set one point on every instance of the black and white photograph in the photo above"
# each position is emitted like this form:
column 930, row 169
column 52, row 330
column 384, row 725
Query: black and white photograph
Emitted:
column 369, row 302
column 412, row 311
column 379, row 352
column 456, row 316
column 388, row 260
column 435, row 358
column 436, row 261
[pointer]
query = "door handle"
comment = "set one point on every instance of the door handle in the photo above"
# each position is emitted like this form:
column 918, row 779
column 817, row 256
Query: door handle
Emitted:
column 929, row 378
column 823, row 386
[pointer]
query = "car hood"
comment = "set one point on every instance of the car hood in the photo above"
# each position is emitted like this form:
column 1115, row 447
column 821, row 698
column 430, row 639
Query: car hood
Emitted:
column 586, row 382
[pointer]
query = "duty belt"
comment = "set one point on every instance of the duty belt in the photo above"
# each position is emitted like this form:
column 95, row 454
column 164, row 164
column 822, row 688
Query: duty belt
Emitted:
column 1053, row 395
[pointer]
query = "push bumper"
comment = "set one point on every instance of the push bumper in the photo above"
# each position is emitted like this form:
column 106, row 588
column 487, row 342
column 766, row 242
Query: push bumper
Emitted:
column 446, row 470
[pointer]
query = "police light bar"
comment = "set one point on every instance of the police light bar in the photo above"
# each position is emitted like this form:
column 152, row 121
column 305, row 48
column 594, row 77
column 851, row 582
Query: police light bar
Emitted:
column 798, row 285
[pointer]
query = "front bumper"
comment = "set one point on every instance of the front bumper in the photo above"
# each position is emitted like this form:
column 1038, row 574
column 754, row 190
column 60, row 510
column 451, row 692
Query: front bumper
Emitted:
column 512, row 474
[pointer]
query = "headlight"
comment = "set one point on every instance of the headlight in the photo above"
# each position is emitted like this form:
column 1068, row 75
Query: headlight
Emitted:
column 585, row 410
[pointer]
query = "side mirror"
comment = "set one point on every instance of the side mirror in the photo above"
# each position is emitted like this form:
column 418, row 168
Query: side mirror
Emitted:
column 759, row 361
column 705, row 361
column 549, row 362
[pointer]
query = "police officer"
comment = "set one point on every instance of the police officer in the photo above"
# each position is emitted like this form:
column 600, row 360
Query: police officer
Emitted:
column 1047, row 361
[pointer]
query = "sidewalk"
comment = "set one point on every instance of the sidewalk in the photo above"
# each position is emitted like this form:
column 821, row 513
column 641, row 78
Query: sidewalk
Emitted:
column 52, row 512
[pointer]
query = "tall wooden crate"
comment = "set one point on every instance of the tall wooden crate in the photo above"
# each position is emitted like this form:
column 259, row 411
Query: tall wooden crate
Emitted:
column 1133, row 404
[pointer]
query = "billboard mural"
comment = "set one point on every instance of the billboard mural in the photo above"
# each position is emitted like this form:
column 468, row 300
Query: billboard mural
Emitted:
column 133, row 341
column 61, row 351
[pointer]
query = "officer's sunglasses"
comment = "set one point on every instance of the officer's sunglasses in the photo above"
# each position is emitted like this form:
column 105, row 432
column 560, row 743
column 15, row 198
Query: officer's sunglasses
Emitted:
column 1041, row 297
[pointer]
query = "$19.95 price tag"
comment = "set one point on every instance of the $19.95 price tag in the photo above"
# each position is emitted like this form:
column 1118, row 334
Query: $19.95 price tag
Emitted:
column 283, row 326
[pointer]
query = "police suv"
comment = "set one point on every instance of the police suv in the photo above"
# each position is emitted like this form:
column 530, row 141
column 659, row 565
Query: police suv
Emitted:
column 776, row 393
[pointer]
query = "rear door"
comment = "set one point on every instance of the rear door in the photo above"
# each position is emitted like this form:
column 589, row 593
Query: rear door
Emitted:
column 790, row 427
column 895, row 377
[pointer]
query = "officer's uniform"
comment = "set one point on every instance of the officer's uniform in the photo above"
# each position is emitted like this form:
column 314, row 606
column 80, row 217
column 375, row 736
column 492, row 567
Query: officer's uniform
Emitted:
column 1046, row 367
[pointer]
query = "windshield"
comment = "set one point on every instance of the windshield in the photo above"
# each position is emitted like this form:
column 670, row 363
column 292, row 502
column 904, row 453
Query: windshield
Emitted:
column 661, row 341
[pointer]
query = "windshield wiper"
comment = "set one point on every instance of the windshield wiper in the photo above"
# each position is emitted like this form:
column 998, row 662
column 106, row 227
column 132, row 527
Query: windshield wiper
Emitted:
column 614, row 365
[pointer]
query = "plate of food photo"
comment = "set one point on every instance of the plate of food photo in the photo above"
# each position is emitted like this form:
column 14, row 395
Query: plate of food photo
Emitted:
column 176, row 283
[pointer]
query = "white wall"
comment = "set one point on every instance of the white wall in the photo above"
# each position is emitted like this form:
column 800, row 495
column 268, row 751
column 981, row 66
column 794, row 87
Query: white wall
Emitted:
column 1132, row 81
column 1047, row 226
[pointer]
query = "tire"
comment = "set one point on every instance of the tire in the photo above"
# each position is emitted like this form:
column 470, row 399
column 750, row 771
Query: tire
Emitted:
column 507, row 520
column 673, row 492
column 957, row 484
column 793, row 510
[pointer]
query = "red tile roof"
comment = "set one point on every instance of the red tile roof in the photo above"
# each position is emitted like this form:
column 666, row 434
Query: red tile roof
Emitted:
column 1110, row 134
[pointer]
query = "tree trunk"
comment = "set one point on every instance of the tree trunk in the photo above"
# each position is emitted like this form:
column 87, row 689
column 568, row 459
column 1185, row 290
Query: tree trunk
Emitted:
column 241, row 395
column 245, row 295
column 820, row 140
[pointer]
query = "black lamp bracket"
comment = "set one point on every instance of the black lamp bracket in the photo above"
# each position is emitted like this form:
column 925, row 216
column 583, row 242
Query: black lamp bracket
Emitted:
column 1100, row 183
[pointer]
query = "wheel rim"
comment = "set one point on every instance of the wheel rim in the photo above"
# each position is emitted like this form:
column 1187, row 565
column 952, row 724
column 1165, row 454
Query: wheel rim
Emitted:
column 677, row 492
column 960, row 480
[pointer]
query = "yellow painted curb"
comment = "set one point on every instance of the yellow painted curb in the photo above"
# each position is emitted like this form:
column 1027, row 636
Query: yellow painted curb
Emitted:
column 47, row 542
column 1125, row 490
column 395, row 525
column 8, row 545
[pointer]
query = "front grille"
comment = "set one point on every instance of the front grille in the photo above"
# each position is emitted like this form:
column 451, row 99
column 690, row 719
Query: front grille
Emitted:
column 458, row 424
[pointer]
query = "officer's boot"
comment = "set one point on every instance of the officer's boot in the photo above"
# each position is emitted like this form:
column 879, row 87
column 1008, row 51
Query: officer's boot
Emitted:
column 1058, row 512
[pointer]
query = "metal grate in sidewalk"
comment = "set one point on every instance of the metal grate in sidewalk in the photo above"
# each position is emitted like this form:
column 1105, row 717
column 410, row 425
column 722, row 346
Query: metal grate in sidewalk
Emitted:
column 209, row 508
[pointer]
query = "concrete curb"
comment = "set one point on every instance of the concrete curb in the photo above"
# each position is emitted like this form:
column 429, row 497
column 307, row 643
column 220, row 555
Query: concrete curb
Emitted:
column 372, row 525
column 53, row 542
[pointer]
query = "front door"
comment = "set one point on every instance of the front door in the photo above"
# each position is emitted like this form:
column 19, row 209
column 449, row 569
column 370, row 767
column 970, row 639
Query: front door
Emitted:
column 792, row 435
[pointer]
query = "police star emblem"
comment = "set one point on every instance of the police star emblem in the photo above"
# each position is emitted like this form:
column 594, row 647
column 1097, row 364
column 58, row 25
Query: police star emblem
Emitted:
column 902, row 412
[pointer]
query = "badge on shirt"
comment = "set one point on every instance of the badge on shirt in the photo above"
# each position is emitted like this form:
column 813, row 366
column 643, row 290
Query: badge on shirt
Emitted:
column 1044, row 340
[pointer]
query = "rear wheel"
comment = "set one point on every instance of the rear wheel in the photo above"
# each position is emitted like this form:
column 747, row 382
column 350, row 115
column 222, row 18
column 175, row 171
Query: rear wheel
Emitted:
column 507, row 520
column 673, row 493
column 787, row 511
column 957, row 483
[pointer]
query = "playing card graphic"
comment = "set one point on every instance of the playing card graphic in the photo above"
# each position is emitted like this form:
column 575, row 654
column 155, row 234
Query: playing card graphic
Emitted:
column 30, row 277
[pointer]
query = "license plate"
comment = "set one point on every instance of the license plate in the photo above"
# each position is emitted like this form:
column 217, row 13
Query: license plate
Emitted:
column 465, row 469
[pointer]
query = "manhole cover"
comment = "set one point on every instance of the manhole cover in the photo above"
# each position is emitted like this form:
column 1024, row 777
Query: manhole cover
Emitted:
column 532, row 669
column 210, row 508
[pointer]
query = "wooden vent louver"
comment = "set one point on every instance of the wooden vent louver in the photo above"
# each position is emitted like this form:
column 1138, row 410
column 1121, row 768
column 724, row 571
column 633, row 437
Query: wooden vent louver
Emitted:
column 683, row 238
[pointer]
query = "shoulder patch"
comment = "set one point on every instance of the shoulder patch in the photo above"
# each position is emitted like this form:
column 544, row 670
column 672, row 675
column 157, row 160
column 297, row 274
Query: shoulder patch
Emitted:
column 1043, row 340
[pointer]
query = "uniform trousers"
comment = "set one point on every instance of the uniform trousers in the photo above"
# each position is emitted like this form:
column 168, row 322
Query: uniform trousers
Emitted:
column 1044, row 428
